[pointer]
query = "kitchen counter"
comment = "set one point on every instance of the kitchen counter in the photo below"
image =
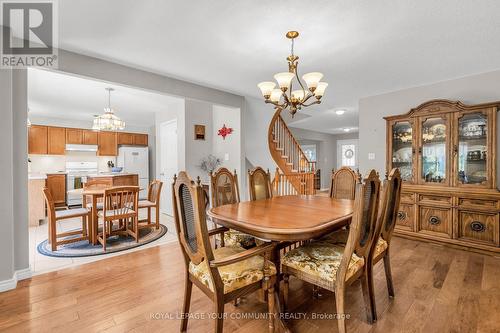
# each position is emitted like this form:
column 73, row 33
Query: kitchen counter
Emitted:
column 43, row 175
column 110, row 174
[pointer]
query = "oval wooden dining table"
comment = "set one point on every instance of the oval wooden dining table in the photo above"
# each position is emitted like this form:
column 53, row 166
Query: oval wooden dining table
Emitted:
column 285, row 219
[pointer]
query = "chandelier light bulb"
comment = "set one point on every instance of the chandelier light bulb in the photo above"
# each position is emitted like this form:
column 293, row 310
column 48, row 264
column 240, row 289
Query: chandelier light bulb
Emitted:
column 276, row 95
column 266, row 88
column 299, row 94
column 320, row 89
column 284, row 79
column 312, row 79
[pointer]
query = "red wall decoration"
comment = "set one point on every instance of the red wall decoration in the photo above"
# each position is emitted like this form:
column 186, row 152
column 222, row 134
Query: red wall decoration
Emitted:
column 225, row 131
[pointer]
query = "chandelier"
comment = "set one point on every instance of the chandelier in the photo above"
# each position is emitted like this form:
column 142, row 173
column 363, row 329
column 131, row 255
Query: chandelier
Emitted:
column 108, row 121
column 285, row 96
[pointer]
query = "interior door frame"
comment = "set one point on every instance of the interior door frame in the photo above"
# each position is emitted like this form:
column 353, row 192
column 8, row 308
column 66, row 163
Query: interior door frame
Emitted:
column 163, row 124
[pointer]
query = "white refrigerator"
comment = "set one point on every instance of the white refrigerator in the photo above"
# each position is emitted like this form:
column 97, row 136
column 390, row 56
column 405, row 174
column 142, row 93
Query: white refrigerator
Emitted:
column 135, row 160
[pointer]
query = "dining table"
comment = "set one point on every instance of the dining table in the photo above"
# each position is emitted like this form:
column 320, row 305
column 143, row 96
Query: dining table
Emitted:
column 95, row 193
column 285, row 220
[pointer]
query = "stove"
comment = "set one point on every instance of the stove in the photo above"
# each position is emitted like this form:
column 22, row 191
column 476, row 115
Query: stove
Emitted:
column 77, row 173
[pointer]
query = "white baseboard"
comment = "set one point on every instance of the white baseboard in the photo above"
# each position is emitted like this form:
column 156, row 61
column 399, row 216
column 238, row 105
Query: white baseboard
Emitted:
column 19, row 275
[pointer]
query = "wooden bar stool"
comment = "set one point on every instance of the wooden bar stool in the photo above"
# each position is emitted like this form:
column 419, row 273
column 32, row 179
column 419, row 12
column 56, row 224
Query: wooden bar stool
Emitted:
column 54, row 216
column 153, row 201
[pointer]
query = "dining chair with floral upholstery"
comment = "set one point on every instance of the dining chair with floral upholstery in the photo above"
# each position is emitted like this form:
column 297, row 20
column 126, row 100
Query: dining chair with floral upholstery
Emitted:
column 334, row 267
column 225, row 273
column 224, row 185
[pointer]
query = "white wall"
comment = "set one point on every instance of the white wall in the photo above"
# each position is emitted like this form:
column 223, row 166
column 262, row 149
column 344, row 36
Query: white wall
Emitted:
column 230, row 146
column 474, row 89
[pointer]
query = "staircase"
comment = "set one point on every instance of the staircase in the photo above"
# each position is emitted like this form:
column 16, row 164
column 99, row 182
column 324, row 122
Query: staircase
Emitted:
column 295, row 173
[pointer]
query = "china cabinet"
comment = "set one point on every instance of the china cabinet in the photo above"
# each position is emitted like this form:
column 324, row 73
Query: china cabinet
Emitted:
column 446, row 152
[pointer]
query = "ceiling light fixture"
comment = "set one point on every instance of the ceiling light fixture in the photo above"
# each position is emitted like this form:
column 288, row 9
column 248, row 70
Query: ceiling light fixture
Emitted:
column 347, row 129
column 108, row 121
column 340, row 112
column 293, row 99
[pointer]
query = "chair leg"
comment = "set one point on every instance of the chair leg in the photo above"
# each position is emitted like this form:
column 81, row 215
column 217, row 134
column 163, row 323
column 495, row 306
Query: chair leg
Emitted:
column 339, row 302
column 219, row 311
column 271, row 307
column 136, row 227
column 388, row 274
column 84, row 226
column 286, row 288
column 188, row 287
column 368, row 297
column 149, row 215
column 53, row 235
column 104, row 226
column 157, row 213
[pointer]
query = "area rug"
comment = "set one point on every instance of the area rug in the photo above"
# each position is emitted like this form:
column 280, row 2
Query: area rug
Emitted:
column 114, row 244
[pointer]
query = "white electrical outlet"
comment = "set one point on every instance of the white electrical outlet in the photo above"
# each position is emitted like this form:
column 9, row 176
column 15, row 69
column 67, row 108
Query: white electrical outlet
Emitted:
column 226, row 157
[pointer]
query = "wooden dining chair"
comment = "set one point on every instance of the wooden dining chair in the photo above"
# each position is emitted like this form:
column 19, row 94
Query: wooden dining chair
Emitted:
column 225, row 273
column 120, row 205
column 224, row 185
column 58, row 215
column 91, row 184
column 259, row 184
column 153, row 201
column 343, row 183
column 334, row 267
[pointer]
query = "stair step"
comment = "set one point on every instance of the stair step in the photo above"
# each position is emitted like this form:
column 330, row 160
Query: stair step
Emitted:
column 284, row 156
column 280, row 149
column 288, row 163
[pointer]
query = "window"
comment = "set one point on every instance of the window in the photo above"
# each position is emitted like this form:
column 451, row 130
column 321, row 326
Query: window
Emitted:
column 310, row 152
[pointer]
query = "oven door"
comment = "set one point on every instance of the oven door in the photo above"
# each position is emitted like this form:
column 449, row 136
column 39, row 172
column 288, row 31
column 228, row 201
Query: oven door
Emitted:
column 75, row 188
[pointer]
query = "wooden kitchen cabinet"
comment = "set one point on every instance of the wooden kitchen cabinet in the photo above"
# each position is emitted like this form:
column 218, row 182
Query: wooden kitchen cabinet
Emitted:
column 56, row 137
column 119, row 180
column 108, row 145
column 125, row 138
column 140, row 139
column 56, row 184
column 37, row 139
column 89, row 137
column 74, row 136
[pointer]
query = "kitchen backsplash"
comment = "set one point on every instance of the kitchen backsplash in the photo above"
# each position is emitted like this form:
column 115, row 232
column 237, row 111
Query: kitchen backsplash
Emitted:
column 55, row 163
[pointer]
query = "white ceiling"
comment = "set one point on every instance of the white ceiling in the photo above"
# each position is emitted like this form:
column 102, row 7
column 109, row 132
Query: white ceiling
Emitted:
column 56, row 95
column 363, row 47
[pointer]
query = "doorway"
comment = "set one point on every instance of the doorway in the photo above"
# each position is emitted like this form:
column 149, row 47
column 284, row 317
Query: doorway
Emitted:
column 347, row 153
column 168, row 162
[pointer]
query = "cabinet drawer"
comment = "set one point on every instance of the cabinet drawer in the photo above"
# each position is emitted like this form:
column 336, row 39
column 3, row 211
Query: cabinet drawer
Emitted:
column 478, row 227
column 479, row 203
column 435, row 221
column 435, row 199
column 406, row 217
column 407, row 197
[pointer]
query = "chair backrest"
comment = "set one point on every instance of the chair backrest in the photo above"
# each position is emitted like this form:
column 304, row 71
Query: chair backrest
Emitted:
column 389, row 206
column 120, row 200
column 154, row 191
column 224, row 187
column 189, row 200
column 363, row 224
column 343, row 183
column 51, row 211
column 259, row 184
column 95, row 183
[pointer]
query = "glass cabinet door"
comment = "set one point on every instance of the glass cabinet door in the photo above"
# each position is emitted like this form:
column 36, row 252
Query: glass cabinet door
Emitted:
column 472, row 148
column 433, row 154
column 402, row 149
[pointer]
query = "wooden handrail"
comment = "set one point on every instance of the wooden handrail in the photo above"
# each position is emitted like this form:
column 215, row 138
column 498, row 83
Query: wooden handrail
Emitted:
column 289, row 156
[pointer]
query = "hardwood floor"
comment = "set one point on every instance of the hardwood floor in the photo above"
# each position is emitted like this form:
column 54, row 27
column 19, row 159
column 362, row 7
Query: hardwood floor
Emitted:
column 438, row 289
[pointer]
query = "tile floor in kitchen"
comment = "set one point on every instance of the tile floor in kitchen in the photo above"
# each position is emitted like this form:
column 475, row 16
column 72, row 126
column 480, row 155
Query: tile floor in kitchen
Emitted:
column 42, row 264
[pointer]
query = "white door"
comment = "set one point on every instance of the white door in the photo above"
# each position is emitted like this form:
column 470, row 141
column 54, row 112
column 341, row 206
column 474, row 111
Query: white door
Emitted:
column 168, row 162
column 347, row 153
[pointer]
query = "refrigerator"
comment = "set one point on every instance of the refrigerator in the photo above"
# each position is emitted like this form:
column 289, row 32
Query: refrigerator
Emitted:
column 135, row 160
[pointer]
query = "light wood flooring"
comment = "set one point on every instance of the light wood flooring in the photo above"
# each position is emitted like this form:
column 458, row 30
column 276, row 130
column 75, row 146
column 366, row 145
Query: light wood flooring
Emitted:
column 438, row 289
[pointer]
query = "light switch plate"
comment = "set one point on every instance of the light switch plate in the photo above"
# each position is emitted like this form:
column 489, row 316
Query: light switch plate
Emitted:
column 371, row 156
column 226, row 157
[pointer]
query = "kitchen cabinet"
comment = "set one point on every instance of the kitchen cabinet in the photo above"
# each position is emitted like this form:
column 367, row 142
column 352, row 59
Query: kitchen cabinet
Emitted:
column 89, row 137
column 119, row 180
column 140, row 139
column 108, row 145
column 132, row 139
column 74, row 136
column 125, row 138
column 36, row 201
column 56, row 184
column 56, row 137
column 37, row 139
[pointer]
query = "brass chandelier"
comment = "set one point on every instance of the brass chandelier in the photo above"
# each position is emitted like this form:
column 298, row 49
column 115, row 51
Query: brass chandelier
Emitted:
column 285, row 97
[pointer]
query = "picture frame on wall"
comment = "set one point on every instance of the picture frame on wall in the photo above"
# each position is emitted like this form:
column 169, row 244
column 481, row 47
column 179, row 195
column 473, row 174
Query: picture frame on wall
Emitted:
column 199, row 132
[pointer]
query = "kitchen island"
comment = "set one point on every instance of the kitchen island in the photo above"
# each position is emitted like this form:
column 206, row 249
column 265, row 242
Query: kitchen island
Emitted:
column 117, row 179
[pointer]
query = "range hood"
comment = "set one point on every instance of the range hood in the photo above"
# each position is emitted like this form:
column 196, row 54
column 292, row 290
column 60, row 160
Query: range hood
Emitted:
column 92, row 148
